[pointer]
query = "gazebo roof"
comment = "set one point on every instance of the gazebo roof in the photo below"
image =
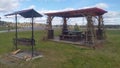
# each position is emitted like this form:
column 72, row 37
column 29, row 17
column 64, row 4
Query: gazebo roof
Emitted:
column 29, row 13
column 78, row 13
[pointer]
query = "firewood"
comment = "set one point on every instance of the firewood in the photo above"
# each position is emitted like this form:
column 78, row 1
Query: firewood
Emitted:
column 15, row 52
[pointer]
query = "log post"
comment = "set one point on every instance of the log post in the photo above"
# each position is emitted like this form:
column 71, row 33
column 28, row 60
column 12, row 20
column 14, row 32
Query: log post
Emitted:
column 90, row 33
column 49, row 27
column 100, row 31
column 64, row 28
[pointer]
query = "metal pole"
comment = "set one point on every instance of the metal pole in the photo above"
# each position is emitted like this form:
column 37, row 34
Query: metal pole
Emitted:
column 0, row 19
column 16, row 32
column 1, row 22
column 32, row 37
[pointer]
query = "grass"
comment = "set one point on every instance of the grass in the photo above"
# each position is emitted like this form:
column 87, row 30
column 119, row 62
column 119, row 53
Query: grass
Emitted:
column 6, row 28
column 61, row 55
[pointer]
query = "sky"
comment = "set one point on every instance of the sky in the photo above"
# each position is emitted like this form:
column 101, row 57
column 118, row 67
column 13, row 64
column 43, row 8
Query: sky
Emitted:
column 43, row 6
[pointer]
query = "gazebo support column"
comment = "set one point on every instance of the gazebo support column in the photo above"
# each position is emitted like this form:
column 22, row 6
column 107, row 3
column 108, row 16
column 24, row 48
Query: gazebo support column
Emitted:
column 50, row 30
column 100, row 32
column 90, row 32
column 64, row 29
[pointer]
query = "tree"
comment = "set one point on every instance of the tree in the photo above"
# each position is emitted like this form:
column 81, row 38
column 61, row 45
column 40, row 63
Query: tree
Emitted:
column 76, row 27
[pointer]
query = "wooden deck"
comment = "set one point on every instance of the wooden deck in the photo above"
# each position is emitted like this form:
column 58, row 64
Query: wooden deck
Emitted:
column 80, row 43
column 56, row 39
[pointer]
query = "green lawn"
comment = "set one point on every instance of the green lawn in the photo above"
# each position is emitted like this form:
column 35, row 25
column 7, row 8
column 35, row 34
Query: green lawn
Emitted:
column 5, row 28
column 61, row 55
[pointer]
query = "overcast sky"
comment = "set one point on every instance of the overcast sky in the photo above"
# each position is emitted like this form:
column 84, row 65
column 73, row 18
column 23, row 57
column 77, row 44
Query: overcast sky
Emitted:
column 42, row 6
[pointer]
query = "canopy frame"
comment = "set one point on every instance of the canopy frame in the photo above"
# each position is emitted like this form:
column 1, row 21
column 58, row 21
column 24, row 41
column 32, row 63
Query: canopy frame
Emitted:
column 29, row 13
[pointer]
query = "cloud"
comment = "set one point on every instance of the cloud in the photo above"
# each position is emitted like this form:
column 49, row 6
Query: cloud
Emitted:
column 99, row 5
column 52, row 0
column 112, row 14
column 24, row 0
column 31, row 7
column 112, row 17
column 52, row 11
column 7, row 5
column 102, row 5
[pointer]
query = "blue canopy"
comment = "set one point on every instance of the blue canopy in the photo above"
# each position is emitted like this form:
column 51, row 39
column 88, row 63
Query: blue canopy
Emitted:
column 29, row 13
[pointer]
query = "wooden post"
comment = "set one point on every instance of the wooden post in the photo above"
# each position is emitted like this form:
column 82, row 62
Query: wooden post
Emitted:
column 49, row 22
column 64, row 29
column 100, row 31
column 104, row 33
column 100, row 20
column 90, row 32
column 49, row 27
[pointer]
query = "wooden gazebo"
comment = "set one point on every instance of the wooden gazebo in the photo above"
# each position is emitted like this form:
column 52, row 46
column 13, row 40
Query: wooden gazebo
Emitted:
column 92, row 33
